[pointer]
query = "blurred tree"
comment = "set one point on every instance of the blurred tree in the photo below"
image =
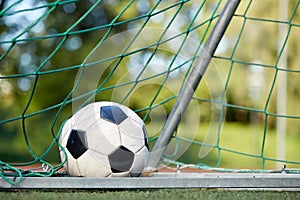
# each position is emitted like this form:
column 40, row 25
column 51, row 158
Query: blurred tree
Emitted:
column 63, row 38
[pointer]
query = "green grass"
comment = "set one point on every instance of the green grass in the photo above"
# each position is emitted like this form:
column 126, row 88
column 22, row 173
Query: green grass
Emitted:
column 242, row 147
column 149, row 194
column 249, row 139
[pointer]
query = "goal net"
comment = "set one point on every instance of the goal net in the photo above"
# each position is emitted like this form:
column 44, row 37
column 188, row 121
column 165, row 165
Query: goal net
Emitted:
column 57, row 56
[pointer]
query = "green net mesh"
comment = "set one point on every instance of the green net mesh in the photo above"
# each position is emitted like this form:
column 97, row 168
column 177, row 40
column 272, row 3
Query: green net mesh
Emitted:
column 57, row 56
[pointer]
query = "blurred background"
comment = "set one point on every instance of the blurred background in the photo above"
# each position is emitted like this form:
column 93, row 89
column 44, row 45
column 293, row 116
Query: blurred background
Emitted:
column 44, row 44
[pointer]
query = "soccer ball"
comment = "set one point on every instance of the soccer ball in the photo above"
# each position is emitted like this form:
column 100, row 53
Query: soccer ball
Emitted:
column 104, row 139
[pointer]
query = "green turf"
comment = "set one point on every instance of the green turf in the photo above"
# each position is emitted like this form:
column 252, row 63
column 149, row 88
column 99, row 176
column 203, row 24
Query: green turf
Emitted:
column 250, row 142
column 148, row 194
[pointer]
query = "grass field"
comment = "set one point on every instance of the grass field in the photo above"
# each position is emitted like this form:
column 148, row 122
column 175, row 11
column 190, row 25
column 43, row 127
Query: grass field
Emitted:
column 148, row 194
column 244, row 139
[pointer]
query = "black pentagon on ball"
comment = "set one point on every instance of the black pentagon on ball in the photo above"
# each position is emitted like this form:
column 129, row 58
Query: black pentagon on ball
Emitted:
column 121, row 159
column 112, row 114
column 77, row 143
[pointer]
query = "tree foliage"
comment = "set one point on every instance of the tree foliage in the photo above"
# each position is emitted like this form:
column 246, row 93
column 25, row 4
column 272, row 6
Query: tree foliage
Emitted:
column 63, row 38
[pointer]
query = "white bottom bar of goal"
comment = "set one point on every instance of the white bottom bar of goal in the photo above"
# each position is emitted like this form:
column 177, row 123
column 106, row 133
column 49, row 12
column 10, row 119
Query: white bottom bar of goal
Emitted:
column 165, row 180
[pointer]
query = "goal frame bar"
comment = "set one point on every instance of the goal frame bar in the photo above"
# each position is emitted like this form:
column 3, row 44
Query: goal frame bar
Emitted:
column 191, row 84
column 159, row 180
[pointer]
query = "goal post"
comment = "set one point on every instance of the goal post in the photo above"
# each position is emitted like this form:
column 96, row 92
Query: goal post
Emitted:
column 191, row 84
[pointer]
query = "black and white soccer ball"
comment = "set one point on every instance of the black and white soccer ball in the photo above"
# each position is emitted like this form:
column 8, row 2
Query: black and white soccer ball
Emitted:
column 104, row 139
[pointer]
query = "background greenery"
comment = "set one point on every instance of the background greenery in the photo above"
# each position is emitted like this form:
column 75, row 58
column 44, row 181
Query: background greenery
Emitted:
column 243, row 129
